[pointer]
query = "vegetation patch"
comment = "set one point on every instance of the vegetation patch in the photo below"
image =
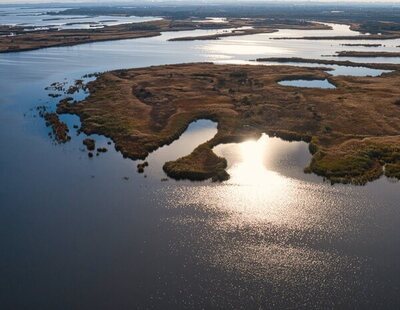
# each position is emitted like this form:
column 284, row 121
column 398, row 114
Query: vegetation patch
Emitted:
column 346, row 63
column 140, row 167
column 358, row 161
column 59, row 128
column 367, row 54
column 201, row 164
column 90, row 144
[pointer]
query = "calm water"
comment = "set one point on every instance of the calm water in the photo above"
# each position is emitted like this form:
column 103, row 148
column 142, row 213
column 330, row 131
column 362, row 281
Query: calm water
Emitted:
column 308, row 83
column 79, row 233
column 40, row 19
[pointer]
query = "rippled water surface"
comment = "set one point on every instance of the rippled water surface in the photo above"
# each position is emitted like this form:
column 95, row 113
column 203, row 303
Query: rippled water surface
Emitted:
column 80, row 233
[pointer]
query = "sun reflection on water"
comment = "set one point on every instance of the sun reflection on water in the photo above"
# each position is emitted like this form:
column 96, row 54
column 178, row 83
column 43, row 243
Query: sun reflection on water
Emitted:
column 268, row 222
column 267, row 187
column 254, row 190
column 251, row 169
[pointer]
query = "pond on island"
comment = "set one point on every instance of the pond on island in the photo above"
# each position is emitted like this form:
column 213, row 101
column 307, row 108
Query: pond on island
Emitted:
column 308, row 83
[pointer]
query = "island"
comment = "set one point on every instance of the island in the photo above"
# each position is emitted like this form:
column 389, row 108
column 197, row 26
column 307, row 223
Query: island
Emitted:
column 367, row 54
column 353, row 130
column 362, row 44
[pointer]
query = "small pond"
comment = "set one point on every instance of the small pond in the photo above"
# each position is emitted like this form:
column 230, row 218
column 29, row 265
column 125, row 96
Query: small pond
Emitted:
column 308, row 83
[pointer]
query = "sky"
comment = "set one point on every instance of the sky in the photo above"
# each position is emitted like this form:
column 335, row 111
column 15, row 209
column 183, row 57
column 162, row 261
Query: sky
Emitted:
column 75, row 2
column 193, row 1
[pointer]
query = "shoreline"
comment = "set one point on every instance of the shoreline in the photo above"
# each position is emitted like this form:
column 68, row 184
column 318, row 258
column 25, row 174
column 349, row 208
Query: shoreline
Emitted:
column 236, row 97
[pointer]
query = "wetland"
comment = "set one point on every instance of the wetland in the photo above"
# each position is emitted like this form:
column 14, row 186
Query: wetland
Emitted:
column 128, row 228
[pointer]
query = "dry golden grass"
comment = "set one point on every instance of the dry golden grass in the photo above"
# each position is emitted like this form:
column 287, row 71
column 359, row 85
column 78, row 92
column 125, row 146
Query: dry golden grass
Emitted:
column 354, row 128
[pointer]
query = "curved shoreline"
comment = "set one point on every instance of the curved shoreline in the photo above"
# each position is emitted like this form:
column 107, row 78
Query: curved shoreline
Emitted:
column 153, row 106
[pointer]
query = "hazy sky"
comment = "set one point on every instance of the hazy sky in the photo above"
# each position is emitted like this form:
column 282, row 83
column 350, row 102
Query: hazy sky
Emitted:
column 133, row 2
column 205, row 1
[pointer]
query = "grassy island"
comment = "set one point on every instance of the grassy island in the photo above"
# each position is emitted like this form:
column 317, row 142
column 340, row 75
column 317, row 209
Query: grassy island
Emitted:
column 361, row 44
column 60, row 129
column 353, row 130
